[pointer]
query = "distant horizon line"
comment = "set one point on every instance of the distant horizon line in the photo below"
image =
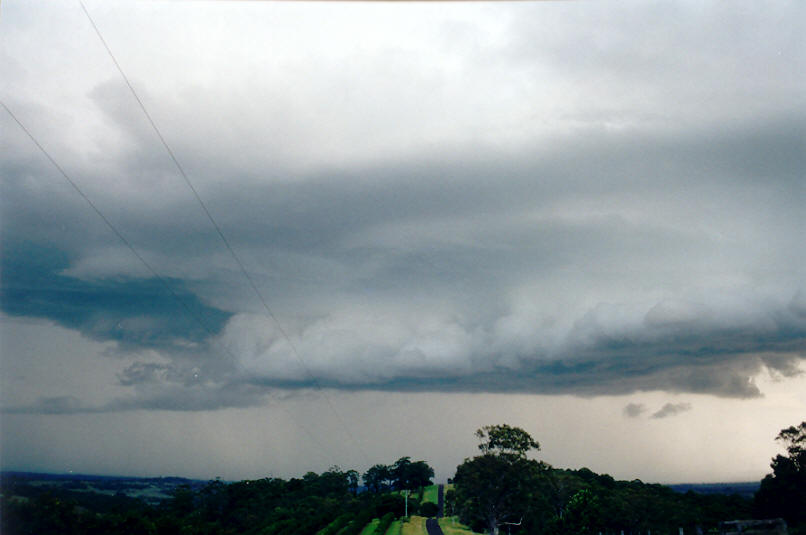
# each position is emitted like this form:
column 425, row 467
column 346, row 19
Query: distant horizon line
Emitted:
column 219, row 478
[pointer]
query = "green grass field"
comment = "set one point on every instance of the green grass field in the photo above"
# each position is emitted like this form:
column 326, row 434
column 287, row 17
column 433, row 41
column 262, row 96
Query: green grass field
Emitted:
column 431, row 493
column 450, row 526
column 415, row 526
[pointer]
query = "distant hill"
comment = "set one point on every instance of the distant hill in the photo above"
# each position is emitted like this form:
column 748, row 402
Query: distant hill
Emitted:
column 150, row 489
column 745, row 488
column 43, row 476
column 161, row 487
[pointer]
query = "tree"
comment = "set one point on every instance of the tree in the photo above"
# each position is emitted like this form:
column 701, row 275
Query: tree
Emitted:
column 505, row 439
column 408, row 475
column 419, row 475
column 783, row 493
column 429, row 509
column 582, row 514
column 352, row 481
column 497, row 487
column 399, row 472
column 450, row 500
column 377, row 478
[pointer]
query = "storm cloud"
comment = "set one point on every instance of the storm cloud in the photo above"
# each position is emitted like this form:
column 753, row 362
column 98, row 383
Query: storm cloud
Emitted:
column 671, row 409
column 607, row 234
column 634, row 410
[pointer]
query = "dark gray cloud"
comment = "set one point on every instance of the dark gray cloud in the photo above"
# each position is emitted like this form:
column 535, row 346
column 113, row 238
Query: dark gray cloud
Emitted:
column 135, row 313
column 634, row 225
column 634, row 410
column 320, row 245
column 174, row 398
column 671, row 409
column 51, row 405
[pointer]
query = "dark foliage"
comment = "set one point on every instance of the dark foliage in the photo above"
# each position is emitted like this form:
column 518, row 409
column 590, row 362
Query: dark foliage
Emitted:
column 335, row 526
column 498, row 487
column 404, row 474
column 384, row 523
column 356, row 526
column 503, row 490
column 583, row 502
column 266, row 506
column 783, row 493
column 429, row 509
column 391, row 503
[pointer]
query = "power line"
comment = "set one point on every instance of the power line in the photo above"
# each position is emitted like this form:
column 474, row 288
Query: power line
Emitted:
column 197, row 317
column 224, row 239
column 108, row 223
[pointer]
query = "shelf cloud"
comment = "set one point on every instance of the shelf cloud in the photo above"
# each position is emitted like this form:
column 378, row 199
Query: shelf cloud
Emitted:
column 481, row 209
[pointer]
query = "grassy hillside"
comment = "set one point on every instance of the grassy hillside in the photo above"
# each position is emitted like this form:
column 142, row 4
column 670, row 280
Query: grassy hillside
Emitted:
column 452, row 526
column 415, row 526
column 395, row 528
column 431, row 493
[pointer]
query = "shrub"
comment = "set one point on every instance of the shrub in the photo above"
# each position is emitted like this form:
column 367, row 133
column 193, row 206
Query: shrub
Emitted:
column 359, row 523
column 385, row 522
column 429, row 509
column 336, row 525
column 390, row 503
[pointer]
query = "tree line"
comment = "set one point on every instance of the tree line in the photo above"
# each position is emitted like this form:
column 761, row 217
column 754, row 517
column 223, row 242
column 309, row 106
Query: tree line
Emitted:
column 331, row 503
column 505, row 489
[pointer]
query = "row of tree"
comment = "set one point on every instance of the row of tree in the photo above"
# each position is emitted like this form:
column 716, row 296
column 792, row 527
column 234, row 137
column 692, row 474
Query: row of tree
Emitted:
column 500, row 489
column 269, row 506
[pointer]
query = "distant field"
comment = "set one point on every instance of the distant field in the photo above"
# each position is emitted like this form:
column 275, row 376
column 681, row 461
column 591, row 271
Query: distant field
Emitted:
column 746, row 489
column 152, row 489
column 431, row 493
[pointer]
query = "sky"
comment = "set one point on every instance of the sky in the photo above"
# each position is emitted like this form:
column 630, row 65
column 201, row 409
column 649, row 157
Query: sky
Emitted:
column 399, row 222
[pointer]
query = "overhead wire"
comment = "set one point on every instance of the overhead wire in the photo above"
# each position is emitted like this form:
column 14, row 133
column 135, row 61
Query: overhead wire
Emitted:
column 193, row 314
column 227, row 244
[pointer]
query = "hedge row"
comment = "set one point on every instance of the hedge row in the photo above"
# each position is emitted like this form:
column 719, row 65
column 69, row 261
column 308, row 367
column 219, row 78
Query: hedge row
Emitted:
column 336, row 525
column 383, row 525
column 359, row 522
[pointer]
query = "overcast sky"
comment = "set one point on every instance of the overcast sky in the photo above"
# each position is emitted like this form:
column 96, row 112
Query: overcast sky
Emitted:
column 586, row 219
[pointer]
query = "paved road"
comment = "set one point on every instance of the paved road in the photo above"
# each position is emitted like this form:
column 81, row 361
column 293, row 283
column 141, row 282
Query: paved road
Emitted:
column 432, row 526
column 441, row 501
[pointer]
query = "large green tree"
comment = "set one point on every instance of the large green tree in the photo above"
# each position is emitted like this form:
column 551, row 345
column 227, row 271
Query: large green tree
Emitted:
column 408, row 474
column 783, row 493
column 496, row 488
column 404, row 474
